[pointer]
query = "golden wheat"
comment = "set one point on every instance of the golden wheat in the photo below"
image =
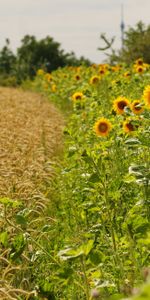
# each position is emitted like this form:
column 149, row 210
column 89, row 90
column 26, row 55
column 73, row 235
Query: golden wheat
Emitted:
column 30, row 140
column 30, row 135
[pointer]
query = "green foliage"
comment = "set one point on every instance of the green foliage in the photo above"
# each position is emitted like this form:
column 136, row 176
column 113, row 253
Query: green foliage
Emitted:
column 7, row 80
column 7, row 60
column 102, row 190
column 136, row 45
column 143, row 293
column 32, row 55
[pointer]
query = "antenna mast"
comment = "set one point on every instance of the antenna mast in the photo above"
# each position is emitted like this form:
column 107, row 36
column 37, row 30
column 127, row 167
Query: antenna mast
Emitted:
column 122, row 26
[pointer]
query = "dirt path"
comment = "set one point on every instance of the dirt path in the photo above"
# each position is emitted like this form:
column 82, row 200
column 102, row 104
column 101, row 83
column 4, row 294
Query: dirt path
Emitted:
column 30, row 138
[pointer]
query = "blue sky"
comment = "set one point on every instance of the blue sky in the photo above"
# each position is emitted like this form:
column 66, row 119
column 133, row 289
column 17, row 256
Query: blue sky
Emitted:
column 76, row 24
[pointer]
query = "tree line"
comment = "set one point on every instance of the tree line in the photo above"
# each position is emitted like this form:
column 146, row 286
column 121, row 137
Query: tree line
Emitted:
column 47, row 54
column 34, row 54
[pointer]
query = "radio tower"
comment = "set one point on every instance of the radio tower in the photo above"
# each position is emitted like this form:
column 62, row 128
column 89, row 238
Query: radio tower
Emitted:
column 122, row 26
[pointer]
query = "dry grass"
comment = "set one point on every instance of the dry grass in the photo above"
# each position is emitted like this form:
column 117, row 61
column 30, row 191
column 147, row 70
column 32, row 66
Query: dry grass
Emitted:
column 30, row 140
column 30, row 137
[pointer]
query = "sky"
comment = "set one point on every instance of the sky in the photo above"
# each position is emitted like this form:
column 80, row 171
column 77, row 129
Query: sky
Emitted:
column 75, row 24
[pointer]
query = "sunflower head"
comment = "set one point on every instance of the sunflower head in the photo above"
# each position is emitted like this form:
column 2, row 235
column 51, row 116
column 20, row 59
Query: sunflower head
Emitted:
column 139, row 69
column 102, row 71
column 102, row 127
column 77, row 96
column 128, row 126
column 116, row 68
column 40, row 72
column 139, row 62
column 146, row 95
column 137, row 107
column 53, row 88
column 94, row 79
column 127, row 74
column 77, row 77
column 78, row 69
column 119, row 105
column 48, row 77
column 94, row 66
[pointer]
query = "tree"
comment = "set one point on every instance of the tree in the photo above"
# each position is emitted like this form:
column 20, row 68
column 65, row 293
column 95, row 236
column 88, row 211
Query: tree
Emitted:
column 45, row 53
column 7, row 60
column 136, row 45
column 33, row 54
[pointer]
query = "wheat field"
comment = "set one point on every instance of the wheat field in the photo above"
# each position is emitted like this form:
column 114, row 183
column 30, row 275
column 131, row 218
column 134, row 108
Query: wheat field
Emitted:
column 30, row 136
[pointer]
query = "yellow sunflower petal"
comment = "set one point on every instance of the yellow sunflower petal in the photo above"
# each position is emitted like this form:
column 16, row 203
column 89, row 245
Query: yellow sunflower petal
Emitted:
column 102, row 127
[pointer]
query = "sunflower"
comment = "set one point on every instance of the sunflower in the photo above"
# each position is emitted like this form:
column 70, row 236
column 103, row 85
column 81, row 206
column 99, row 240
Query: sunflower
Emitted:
column 78, row 69
column 102, row 71
column 48, row 77
column 127, row 74
column 146, row 95
column 77, row 77
column 40, row 72
column 94, row 79
column 139, row 62
column 139, row 69
column 119, row 104
column 137, row 107
column 128, row 126
column 53, row 88
column 102, row 127
column 94, row 66
column 77, row 96
column 116, row 68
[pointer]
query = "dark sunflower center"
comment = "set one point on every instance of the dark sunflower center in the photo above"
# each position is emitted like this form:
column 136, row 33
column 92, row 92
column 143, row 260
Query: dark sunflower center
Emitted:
column 78, row 97
column 122, row 104
column 140, row 62
column 77, row 77
column 95, row 80
column 130, row 127
column 101, row 71
column 102, row 127
column 127, row 74
column 140, row 69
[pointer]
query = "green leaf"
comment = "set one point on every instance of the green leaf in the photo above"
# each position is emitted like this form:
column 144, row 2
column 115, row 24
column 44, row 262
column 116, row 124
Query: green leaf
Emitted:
column 128, row 178
column 94, row 178
column 10, row 202
column 46, row 228
column 87, row 247
column 71, row 253
column 17, row 247
column 86, row 157
column 20, row 219
column 71, row 151
column 96, row 257
column 132, row 142
column 4, row 238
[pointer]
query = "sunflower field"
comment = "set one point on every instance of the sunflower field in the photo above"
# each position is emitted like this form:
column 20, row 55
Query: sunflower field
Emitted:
column 90, row 238
column 103, row 185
